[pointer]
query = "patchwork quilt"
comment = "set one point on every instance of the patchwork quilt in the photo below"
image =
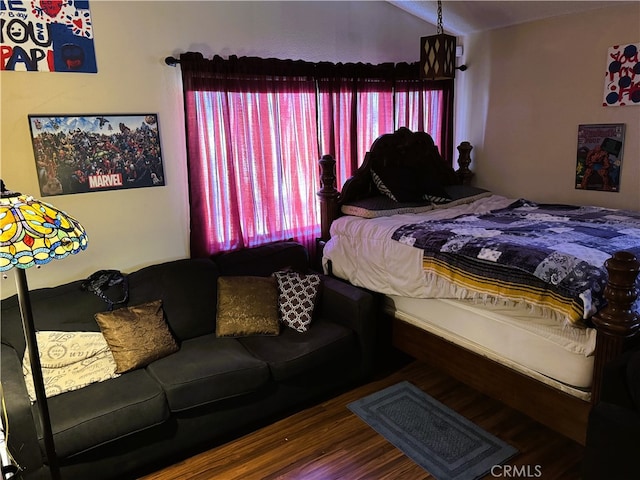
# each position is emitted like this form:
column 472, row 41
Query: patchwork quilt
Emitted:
column 549, row 256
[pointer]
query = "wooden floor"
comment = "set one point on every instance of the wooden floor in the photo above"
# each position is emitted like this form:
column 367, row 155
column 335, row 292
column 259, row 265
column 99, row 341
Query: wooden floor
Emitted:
column 328, row 442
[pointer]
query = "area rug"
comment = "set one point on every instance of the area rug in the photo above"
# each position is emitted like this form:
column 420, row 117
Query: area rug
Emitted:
column 441, row 441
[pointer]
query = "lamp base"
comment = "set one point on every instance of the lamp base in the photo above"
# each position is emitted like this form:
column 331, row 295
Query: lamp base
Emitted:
column 36, row 371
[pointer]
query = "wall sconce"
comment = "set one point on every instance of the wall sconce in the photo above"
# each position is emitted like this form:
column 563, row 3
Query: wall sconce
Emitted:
column 438, row 54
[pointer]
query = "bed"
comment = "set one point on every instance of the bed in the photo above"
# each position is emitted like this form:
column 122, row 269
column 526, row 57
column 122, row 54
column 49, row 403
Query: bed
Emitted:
column 523, row 301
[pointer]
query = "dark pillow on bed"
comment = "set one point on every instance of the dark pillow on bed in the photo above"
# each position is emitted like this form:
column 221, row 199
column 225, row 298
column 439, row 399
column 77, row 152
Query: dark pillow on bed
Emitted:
column 383, row 206
column 400, row 184
column 436, row 194
column 457, row 192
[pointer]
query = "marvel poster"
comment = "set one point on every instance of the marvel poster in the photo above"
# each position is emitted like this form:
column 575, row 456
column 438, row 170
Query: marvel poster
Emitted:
column 90, row 153
column 46, row 36
column 599, row 156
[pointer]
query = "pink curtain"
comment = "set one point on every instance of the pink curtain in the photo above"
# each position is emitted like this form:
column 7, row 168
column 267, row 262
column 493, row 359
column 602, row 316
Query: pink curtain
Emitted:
column 257, row 127
column 253, row 152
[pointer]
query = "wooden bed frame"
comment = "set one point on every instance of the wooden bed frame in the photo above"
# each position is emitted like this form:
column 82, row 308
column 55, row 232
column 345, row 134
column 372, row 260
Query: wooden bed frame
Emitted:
column 617, row 324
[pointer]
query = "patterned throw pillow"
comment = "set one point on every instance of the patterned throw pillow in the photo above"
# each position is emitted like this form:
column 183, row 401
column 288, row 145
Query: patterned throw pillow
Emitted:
column 137, row 335
column 247, row 305
column 297, row 295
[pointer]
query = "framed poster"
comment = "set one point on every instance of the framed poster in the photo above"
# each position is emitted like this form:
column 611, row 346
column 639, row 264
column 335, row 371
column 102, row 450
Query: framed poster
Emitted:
column 599, row 156
column 89, row 153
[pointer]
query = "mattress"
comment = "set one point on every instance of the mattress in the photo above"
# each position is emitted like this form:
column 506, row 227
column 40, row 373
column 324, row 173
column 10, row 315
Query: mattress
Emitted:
column 543, row 348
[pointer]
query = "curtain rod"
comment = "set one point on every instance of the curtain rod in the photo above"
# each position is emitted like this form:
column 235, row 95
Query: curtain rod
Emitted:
column 171, row 61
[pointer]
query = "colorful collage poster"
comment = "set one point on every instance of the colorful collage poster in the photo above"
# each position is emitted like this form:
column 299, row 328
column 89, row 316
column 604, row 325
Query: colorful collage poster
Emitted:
column 93, row 153
column 599, row 156
column 46, row 36
column 622, row 76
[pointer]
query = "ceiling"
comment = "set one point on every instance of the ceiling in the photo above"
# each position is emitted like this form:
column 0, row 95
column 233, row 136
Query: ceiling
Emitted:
column 464, row 17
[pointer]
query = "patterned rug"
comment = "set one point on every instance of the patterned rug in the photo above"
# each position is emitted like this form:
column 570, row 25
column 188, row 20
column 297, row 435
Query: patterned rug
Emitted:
column 441, row 441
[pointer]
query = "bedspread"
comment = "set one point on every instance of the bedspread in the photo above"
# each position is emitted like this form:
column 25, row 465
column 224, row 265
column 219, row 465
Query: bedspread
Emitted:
column 549, row 255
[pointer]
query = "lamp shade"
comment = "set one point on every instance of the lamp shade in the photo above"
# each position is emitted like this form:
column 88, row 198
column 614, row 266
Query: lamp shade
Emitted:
column 438, row 57
column 33, row 232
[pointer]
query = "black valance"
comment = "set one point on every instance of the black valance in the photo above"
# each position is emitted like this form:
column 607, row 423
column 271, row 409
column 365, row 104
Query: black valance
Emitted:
column 248, row 66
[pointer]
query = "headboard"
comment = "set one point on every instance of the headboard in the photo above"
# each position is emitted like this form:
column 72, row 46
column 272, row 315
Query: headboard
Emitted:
column 403, row 148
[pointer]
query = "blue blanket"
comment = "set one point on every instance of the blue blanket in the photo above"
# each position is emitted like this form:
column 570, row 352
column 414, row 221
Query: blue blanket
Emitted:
column 563, row 246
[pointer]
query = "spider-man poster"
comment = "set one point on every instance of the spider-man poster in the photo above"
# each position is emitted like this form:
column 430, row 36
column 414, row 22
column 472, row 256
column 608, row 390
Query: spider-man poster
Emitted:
column 46, row 36
column 599, row 157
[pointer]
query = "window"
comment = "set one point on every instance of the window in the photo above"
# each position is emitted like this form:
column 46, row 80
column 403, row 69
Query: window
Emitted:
column 255, row 136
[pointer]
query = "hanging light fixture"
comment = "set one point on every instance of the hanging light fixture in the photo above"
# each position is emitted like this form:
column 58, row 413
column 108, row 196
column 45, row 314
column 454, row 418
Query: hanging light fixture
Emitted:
column 438, row 54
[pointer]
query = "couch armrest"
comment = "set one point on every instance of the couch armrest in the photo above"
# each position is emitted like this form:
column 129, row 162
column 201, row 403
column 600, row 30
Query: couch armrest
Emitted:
column 352, row 307
column 22, row 437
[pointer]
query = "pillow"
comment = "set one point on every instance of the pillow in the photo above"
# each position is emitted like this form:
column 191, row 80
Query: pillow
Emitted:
column 435, row 194
column 137, row 335
column 459, row 192
column 69, row 361
column 383, row 206
column 247, row 305
column 462, row 194
column 297, row 295
column 400, row 184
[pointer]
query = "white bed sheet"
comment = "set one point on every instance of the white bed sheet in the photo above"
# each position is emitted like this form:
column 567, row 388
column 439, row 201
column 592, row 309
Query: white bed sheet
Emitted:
column 361, row 251
column 557, row 354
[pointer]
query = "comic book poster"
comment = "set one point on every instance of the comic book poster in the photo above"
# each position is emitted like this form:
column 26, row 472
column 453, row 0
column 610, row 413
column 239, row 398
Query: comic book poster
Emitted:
column 46, row 36
column 90, row 153
column 622, row 76
column 599, row 155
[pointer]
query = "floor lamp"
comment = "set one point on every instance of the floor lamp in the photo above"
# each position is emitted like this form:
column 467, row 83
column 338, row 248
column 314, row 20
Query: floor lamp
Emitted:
column 32, row 233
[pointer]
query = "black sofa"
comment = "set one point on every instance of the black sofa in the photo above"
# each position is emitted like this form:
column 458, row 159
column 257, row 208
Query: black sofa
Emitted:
column 613, row 431
column 211, row 390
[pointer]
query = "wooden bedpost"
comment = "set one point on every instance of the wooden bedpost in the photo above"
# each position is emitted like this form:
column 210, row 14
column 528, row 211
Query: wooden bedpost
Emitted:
column 328, row 195
column 464, row 174
column 616, row 323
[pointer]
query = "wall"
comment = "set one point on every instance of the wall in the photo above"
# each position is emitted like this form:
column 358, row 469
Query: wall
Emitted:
column 528, row 88
column 132, row 228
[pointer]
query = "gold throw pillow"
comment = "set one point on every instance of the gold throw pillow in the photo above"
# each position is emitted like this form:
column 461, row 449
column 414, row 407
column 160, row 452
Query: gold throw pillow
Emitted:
column 137, row 335
column 247, row 306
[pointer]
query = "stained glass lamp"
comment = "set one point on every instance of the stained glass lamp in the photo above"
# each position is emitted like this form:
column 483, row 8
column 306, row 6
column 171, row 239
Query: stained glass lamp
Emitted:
column 32, row 233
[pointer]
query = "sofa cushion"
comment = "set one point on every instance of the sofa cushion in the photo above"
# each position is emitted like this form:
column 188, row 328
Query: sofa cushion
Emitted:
column 247, row 305
column 106, row 411
column 264, row 260
column 207, row 369
column 292, row 353
column 187, row 289
column 137, row 335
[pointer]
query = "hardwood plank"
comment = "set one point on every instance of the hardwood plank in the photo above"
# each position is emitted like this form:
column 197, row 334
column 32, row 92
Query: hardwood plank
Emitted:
column 328, row 442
